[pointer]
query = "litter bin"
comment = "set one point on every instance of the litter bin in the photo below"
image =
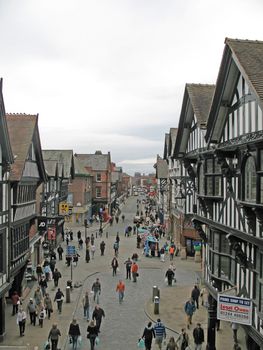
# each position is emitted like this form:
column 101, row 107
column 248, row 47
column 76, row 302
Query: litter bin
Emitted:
column 156, row 305
column 69, row 284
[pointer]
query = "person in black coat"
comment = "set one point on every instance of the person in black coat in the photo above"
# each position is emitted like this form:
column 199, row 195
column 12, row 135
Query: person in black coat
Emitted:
column 148, row 335
column 92, row 334
column 195, row 295
column 74, row 333
column 198, row 334
column 170, row 275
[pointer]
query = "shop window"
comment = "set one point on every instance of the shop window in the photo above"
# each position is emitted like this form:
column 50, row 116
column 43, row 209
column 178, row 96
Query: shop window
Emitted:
column 250, row 180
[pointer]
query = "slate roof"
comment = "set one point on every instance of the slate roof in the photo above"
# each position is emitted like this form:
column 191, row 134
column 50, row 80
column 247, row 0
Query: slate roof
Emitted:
column 161, row 168
column 64, row 157
column 98, row 162
column 23, row 130
column 80, row 169
column 173, row 134
column 51, row 167
column 248, row 58
column 201, row 96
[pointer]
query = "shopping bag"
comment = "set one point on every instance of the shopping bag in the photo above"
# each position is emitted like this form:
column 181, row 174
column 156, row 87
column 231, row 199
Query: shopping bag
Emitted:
column 166, row 280
column 97, row 340
column 141, row 344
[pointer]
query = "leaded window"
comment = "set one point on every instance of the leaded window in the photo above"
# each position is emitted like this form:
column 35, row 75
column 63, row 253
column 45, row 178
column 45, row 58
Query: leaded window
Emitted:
column 250, row 180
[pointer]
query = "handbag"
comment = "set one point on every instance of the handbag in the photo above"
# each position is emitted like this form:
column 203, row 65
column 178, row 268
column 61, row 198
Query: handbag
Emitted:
column 137, row 274
column 88, row 336
column 97, row 340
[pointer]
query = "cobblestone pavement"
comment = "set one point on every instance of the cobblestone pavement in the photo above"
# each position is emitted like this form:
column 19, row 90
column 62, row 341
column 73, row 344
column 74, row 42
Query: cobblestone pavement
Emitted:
column 123, row 323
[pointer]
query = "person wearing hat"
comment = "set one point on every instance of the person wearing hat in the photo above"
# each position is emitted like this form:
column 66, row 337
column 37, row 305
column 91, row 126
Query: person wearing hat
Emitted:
column 31, row 307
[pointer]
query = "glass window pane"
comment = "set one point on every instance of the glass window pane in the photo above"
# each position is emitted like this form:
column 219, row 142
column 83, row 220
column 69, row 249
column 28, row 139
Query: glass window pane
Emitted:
column 201, row 179
column 233, row 271
column 216, row 264
column 225, row 266
column 250, row 180
column 209, row 166
column 225, row 247
column 218, row 186
column 216, row 241
column 209, row 186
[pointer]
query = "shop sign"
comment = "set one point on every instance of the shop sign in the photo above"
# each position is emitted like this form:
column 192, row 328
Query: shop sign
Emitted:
column 42, row 224
column 63, row 208
column 234, row 309
column 51, row 233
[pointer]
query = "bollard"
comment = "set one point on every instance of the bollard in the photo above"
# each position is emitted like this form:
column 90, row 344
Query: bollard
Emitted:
column 156, row 292
column 107, row 234
column 68, row 294
column 156, row 305
column 96, row 234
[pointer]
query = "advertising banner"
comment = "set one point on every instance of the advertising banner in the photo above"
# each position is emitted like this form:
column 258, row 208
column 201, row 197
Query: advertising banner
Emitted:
column 234, row 309
column 51, row 233
column 63, row 208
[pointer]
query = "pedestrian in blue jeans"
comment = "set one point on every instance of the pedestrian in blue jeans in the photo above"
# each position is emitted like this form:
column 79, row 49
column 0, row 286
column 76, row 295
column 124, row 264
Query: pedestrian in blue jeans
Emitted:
column 92, row 334
column 74, row 333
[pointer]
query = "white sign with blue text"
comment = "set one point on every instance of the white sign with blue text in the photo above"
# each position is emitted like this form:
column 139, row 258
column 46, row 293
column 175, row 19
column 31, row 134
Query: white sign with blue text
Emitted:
column 234, row 309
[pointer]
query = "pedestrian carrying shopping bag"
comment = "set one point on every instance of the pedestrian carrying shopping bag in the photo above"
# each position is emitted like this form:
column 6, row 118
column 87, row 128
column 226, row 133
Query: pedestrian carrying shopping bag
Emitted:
column 141, row 344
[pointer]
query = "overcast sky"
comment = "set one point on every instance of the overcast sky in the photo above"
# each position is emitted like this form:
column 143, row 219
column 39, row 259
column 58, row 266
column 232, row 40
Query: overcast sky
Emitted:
column 110, row 74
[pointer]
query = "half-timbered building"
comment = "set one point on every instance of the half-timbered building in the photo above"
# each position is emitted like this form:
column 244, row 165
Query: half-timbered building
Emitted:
column 27, row 173
column 230, row 185
column 189, row 143
column 6, row 159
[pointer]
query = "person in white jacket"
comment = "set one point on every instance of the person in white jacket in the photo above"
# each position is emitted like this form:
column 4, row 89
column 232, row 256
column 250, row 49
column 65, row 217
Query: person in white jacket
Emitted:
column 21, row 321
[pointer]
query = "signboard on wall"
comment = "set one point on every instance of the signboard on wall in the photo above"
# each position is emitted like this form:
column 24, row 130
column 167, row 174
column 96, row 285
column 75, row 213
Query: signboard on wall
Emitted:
column 234, row 309
column 51, row 233
column 63, row 208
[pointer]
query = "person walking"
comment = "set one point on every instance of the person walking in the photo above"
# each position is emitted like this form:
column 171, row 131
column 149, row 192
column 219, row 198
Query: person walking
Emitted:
column 92, row 334
column 114, row 265
column 85, row 303
column 87, row 253
column 74, row 333
column 92, row 249
column 38, row 297
column 81, row 243
column 16, row 302
column 102, row 248
column 43, row 285
column 32, row 309
column 171, row 252
column 117, row 219
column 53, row 336
column 120, row 288
column 123, row 217
column 116, row 248
column 189, row 309
column 170, row 276
column 97, row 315
column 41, row 316
column 160, row 333
column 128, row 264
column 134, row 271
column 96, row 288
column 59, row 297
column 148, row 335
column 56, row 276
column 199, row 338
column 39, row 272
column 183, row 340
column 171, row 345
column 21, row 321
column 48, row 305
column 195, row 295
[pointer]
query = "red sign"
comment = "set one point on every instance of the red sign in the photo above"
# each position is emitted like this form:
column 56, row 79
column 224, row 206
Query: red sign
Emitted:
column 51, row 233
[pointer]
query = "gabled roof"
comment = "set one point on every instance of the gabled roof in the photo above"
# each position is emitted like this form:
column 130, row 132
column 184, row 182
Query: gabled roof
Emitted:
column 246, row 57
column 51, row 167
column 97, row 161
column 80, row 169
column 161, row 168
column 23, row 130
column 166, row 146
column 64, row 159
column 4, row 136
column 173, row 134
column 196, row 101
